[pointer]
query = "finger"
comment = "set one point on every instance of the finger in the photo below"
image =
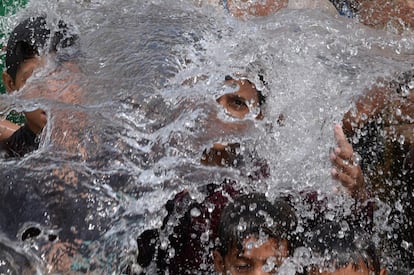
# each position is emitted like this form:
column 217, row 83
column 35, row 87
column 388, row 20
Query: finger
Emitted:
column 344, row 179
column 339, row 135
column 344, row 149
column 349, row 168
column 339, row 162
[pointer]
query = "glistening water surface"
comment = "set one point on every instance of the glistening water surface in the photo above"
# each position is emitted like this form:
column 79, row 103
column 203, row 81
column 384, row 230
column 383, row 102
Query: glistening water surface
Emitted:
column 126, row 132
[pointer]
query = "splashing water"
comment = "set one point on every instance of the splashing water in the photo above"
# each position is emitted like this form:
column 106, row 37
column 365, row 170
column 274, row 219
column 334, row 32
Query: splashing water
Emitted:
column 144, row 108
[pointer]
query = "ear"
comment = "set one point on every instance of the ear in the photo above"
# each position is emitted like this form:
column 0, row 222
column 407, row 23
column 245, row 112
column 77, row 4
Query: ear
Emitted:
column 383, row 271
column 8, row 82
column 218, row 262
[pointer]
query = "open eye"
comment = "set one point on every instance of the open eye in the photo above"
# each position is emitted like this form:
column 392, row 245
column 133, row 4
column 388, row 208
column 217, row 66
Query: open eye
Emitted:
column 237, row 102
column 243, row 267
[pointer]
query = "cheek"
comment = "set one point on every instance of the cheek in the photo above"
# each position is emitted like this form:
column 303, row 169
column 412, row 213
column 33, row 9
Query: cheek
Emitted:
column 19, row 83
column 37, row 116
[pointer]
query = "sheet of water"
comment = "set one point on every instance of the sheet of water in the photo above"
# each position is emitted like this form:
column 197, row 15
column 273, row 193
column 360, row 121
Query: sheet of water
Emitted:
column 150, row 74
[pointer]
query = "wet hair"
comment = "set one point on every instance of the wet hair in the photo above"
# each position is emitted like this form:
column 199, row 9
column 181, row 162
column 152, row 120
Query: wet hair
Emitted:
column 253, row 215
column 32, row 36
column 340, row 247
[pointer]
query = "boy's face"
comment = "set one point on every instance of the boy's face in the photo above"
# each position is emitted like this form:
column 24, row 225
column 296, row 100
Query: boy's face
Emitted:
column 37, row 119
column 255, row 258
column 24, row 72
column 350, row 269
column 55, row 86
column 238, row 104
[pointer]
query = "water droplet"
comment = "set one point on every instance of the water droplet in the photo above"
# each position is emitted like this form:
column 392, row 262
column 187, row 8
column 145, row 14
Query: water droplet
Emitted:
column 270, row 265
column 398, row 112
column 195, row 212
column 401, row 139
column 406, row 245
column 171, row 252
column 205, row 237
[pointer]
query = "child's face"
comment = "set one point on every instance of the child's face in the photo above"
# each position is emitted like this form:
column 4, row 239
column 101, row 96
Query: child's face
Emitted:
column 255, row 258
column 59, row 85
column 238, row 104
column 25, row 71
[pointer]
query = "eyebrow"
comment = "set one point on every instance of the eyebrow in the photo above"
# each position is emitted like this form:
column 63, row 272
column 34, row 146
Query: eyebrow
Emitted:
column 236, row 96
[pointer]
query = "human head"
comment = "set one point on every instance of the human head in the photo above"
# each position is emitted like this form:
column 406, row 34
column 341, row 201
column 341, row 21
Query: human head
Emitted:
column 254, row 235
column 343, row 251
column 240, row 103
column 28, row 42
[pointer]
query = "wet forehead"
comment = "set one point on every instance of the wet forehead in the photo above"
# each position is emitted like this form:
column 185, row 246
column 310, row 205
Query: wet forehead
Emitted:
column 246, row 89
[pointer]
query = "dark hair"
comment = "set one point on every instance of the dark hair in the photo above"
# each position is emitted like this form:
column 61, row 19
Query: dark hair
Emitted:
column 30, row 37
column 340, row 247
column 253, row 215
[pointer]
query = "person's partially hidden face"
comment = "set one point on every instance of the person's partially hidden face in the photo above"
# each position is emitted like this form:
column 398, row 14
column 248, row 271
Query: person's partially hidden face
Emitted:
column 350, row 269
column 36, row 120
column 241, row 8
column 25, row 71
column 241, row 102
column 255, row 258
column 55, row 86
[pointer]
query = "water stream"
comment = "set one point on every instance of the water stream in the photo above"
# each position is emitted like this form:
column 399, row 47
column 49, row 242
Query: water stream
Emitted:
column 144, row 109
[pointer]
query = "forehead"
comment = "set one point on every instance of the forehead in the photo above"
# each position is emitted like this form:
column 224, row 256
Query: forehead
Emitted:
column 254, row 249
column 29, row 65
column 246, row 89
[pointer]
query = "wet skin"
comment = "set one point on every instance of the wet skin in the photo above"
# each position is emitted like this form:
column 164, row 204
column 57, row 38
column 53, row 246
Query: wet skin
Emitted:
column 239, row 103
column 378, row 14
column 55, row 86
column 253, row 259
column 345, row 169
column 241, row 8
column 36, row 120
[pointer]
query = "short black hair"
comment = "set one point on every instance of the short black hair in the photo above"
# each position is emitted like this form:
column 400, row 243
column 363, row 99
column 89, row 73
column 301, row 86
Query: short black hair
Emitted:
column 30, row 37
column 340, row 246
column 253, row 215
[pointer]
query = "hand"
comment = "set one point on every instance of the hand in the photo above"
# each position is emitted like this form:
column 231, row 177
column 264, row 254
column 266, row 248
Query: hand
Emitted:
column 346, row 170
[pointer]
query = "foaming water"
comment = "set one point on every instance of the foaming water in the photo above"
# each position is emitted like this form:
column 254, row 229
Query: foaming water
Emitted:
column 129, row 133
